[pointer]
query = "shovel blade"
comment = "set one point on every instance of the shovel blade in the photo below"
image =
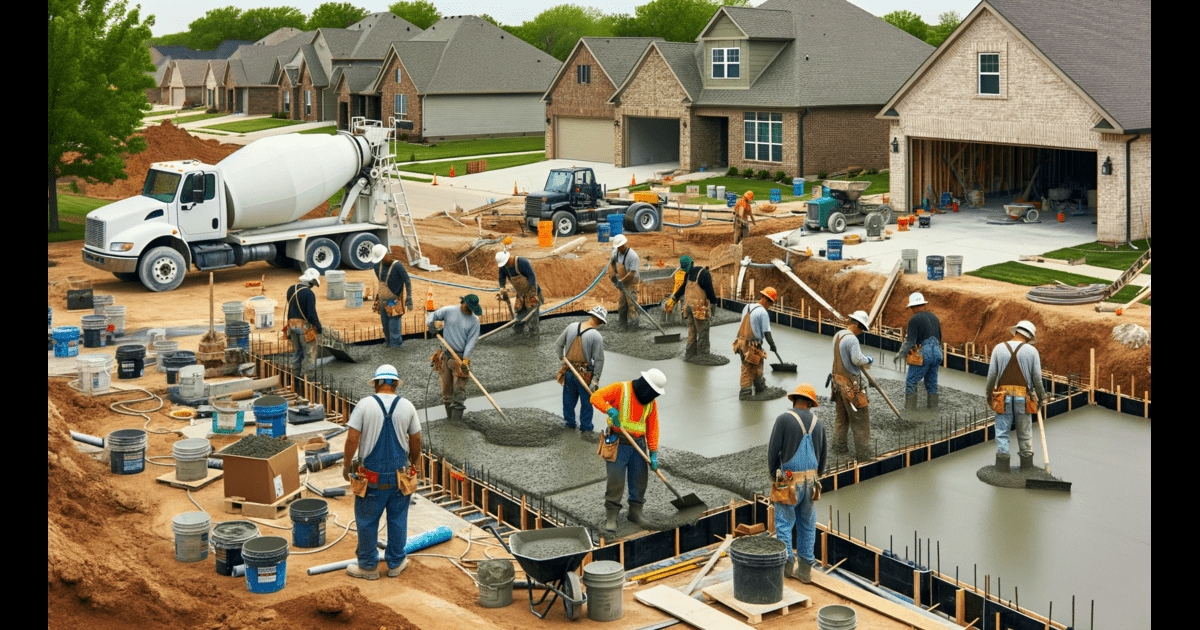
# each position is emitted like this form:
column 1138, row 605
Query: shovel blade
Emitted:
column 672, row 338
column 783, row 367
column 1047, row 484
column 687, row 501
column 340, row 354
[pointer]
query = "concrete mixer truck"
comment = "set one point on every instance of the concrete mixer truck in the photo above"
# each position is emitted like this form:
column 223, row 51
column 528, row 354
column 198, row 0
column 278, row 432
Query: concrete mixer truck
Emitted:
column 247, row 208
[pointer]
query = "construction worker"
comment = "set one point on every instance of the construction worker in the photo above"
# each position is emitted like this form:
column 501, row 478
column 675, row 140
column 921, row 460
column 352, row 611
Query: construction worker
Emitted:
column 582, row 345
column 696, row 294
column 1015, row 379
column 460, row 331
column 393, row 286
column 302, row 316
column 630, row 408
column 743, row 217
column 670, row 315
column 755, row 328
column 797, row 447
column 378, row 435
column 528, row 294
column 624, row 264
column 849, row 393
column 924, row 344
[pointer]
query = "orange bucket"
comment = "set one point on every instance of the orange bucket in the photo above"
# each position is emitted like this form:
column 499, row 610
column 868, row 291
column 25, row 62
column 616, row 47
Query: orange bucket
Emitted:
column 902, row 223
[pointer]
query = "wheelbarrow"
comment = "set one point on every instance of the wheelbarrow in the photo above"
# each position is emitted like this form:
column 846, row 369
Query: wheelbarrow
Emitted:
column 1021, row 211
column 567, row 547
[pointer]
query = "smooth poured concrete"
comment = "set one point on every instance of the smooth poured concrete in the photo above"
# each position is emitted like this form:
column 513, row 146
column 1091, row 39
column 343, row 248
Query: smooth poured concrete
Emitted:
column 1093, row 542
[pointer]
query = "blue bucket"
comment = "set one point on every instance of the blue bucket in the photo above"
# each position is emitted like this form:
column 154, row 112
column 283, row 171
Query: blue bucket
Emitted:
column 834, row 247
column 616, row 224
column 797, row 186
column 308, row 522
column 228, row 421
column 237, row 334
column 66, row 341
column 270, row 414
column 730, row 199
column 776, row 195
column 935, row 267
column 603, row 231
column 266, row 564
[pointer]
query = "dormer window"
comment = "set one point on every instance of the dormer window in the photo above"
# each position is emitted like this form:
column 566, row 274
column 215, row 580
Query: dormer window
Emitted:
column 726, row 63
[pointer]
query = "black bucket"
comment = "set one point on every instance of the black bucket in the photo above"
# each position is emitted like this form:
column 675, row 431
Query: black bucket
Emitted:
column 181, row 358
column 758, row 569
column 227, row 540
column 131, row 361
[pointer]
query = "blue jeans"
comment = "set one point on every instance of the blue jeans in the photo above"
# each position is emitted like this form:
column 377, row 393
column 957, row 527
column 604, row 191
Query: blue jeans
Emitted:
column 788, row 517
column 367, row 512
column 931, row 356
column 629, row 466
column 1024, row 424
column 573, row 392
column 296, row 335
column 391, row 329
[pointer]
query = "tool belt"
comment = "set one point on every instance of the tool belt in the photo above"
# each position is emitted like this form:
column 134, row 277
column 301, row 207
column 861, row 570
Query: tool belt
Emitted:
column 914, row 356
column 581, row 368
column 455, row 365
column 851, row 390
column 1000, row 393
column 607, row 452
column 406, row 482
column 699, row 310
column 750, row 350
column 783, row 490
column 310, row 333
column 393, row 307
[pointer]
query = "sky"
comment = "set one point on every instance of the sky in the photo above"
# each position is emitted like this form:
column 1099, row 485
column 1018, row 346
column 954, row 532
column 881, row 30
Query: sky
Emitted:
column 173, row 16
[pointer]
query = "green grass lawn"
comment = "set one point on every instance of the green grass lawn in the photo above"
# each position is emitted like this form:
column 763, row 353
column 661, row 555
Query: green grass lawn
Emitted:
column 1118, row 258
column 460, row 166
column 406, row 152
column 179, row 120
column 1028, row 275
column 72, row 210
column 762, row 188
column 329, row 131
column 258, row 124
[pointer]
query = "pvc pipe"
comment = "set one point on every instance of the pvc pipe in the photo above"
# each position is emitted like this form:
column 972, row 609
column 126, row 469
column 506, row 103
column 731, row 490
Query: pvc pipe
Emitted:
column 573, row 244
column 87, row 439
column 215, row 463
column 451, row 284
column 239, row 570
column 415, row 544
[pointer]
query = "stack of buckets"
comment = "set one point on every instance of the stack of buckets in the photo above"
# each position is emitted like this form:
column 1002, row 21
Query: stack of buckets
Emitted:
column 234, row 312
column 162, row 350
column 354, row 294
column 834, row 248
column 191, row 459
column 126, row 451
column 237, row 334
column 335, row 288
column 131, row 361
column 758, row 569
column 270, row 415
column 99, row 302
column 66, row 341
column 227, row 541
column 616, row 224
column 93, row 330
column 545, row 233
column 176, row 360
column 95, row 373
column 116, row 318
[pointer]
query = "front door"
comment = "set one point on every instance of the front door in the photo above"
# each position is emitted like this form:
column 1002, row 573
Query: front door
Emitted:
column 200, row 211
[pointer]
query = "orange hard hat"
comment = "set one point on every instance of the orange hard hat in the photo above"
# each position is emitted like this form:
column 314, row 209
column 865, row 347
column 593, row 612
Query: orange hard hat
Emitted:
column 805, row 390
column 749, row 195
column 770, row 293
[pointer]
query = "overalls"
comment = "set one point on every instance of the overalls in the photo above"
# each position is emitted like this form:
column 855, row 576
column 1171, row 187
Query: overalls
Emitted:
column 386, row 458
column 931, row 360
column 391, row 325
column 573, row 390
column 695, row 309
column 801, row 515
column 528, row 297
column 846, row 419
column 752, row 353
column 626, row 312
column 1013, row 382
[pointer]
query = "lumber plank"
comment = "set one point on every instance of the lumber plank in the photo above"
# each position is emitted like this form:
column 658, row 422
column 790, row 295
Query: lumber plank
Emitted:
column 216, row 390
column 782, row 267
column 884, row 294
column 875, row 602
column 688, row 610
column 708, row 565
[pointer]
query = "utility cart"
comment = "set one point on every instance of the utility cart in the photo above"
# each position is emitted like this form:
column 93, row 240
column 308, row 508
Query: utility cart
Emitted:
column 842, row 207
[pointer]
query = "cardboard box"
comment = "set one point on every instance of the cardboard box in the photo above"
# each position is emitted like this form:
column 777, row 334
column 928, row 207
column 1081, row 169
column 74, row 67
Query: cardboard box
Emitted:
column 262, row 480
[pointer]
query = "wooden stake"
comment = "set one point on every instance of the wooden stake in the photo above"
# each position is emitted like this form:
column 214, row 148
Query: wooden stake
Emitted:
column 1092, row 378
column 960, row 607
column 917, row 588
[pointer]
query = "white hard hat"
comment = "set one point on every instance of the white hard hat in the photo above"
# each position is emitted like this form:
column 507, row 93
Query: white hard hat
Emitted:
column 311, row 275
column 377, row 253
column 861, row 318
column 656, row 379
column 916, row 299
column 619, row 241
column 502, row 258
column 386, row 372
column 599, row 313
column 1026, row 328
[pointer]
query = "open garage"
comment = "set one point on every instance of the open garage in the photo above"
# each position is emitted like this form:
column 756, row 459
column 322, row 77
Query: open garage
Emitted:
column 651, row 140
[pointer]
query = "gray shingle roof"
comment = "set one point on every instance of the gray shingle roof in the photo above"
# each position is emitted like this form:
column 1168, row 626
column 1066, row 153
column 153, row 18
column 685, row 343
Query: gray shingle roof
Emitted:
column 762, row 23
column 191, row 71
column 1104, row 47
column 358, row 78
column 341, row 41
column 421, row 60
column 378, row 31
column 222, row 51
column 617, row 55
column 315, row 70
column 255, row 64
column 218, row 68
column 478, row 57
column 279, row 36
column 681, row 57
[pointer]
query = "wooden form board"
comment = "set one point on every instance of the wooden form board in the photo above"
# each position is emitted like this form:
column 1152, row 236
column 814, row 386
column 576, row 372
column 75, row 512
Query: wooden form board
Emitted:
column 875, row 602
column 216, row 390
column 723, row 593
column 783, row 268
column 688, row 610
column 235, row 505
column 882, row 298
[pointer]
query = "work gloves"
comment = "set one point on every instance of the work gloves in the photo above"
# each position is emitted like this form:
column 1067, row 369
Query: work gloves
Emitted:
column 595, row 383
column 408, row 303
column 617, row 282
column 613, row 415
column 502, row 295
column 466, row 366
column 670, row 305
column 653, row 460
column 770, row 341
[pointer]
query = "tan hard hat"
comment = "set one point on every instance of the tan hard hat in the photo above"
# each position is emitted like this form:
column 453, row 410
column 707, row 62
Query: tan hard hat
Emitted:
column 770, row 293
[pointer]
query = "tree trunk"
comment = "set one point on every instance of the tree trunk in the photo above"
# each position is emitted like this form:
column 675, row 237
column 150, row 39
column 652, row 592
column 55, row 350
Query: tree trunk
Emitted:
column 51, row 201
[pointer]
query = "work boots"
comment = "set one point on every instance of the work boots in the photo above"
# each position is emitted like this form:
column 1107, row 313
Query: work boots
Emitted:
column 456, row 413
column 789, row 569
column 690, row 352
column 1026, row 462
column 635, row 513
column 910, row 402
column 804, row 572
column 610, row 521
column 746, row 393
column 760, row 385
column 1003, row 464
column 931, row 401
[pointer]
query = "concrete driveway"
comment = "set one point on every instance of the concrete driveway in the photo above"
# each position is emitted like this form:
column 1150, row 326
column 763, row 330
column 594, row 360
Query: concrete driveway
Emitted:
column 532, row 177
column 426, row 199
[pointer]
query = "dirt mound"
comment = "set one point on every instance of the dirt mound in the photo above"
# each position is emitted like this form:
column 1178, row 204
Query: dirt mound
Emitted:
column 164, row 143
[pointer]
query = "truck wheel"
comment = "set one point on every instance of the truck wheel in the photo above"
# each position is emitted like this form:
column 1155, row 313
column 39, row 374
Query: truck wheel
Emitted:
column 162, row 269
column 322, row 254
column 127, row 276
column 837, row 223
column 356, row 250
column 643, row 216
column 565, row 223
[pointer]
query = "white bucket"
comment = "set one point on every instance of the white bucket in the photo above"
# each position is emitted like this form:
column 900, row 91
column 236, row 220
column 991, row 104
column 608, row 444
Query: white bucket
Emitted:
column 264, row 311
column 164, row 348
column 95, row 373
column 191, row 381
column 712, row 191
column 721, row 192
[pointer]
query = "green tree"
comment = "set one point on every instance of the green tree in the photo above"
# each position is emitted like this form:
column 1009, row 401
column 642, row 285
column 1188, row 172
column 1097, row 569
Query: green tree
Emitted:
column 673, row 20
column 421, row 13
column 947, row 22
column 218, row 25
column 335, row 15
column 484, row 16
column 557, row 29
column 95, row 91
column 258, row 23
column 908, row 22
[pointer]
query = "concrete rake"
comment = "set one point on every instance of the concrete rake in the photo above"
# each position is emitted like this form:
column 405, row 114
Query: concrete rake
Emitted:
column 1046, row 484
column 663, row 336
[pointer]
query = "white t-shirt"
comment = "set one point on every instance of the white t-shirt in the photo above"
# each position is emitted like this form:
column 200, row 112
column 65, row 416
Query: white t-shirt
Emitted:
column 367, row 418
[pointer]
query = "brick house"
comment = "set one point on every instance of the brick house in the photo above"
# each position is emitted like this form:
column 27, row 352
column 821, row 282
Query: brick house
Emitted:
column 1025, row 90
column 184, row 82
column 792, row 85
column 164, row 57
column 248, row 82
column 214, row 93
column 464, row 77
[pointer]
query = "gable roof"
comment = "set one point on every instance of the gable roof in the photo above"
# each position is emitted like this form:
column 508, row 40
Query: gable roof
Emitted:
column 278, row 36
column 420, row 61
column 376, row 33
column 757, row 23
column 358, row 79
column 191, row 71
column 680, row 58
column 222, row 51
column 316, row 72
column 616, row 56
column 218, row 69
column 256, row 64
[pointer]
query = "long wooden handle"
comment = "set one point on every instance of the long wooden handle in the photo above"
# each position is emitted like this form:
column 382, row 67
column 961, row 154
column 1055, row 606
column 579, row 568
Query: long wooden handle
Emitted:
column 577, row 375
column 885, row 396
column 1042, row 429
column 472, row 375
column 643, row 311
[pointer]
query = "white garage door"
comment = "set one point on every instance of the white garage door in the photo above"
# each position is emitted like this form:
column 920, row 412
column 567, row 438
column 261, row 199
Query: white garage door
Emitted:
column 478, row 114
column 586, row 139
column 177, row 96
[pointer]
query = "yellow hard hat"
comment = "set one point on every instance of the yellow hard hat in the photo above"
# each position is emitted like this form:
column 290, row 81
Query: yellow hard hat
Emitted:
column 749, row 195
column 770, row 293
column 805, row 390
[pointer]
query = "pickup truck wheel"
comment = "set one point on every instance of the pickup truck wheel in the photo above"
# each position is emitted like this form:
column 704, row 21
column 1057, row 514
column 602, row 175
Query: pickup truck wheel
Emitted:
column 127, row 276
column 356, row 250
column 162, row 269
column 322, row 254
column 565, row 223
column 643, row 216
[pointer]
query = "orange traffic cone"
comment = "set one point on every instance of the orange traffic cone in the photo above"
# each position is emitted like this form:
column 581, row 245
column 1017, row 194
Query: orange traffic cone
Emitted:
column 435, row 179
column 633, row 180
column 515, row 193
column 451, row 170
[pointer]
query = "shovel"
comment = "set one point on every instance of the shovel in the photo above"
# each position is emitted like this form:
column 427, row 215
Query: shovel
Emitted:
column 681, row 502
column 781, row 366
column 471, row 373
column 1046, row 484
column 663, row 337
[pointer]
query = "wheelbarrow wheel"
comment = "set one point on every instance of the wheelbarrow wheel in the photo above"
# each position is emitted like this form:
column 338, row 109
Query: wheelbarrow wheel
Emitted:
column 572, row 591
column 1031, row 215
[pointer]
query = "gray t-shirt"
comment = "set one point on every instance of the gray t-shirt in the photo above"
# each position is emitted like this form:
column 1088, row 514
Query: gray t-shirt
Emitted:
column 760, row 320
column 367, row 418
column 1028, row 359
column 461, row 331
column 629, row 259
column 593, row 347
column 852, row 355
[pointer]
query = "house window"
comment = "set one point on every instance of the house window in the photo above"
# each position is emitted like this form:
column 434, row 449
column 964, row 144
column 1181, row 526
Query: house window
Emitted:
column 400, row 105
column 397, row 74
column 307, row 102
column 287, row 102
column 989, row 73
column 583, row 74
column 726, row 63
column 764, row 136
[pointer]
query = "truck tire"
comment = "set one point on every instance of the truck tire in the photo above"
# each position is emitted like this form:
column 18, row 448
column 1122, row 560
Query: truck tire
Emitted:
column 356, row 250
column 837, row 223
column 322, row 254
column 162, row 269
column 565, row 223
column 127, row 276
column 642, row 217
column 281, row 260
